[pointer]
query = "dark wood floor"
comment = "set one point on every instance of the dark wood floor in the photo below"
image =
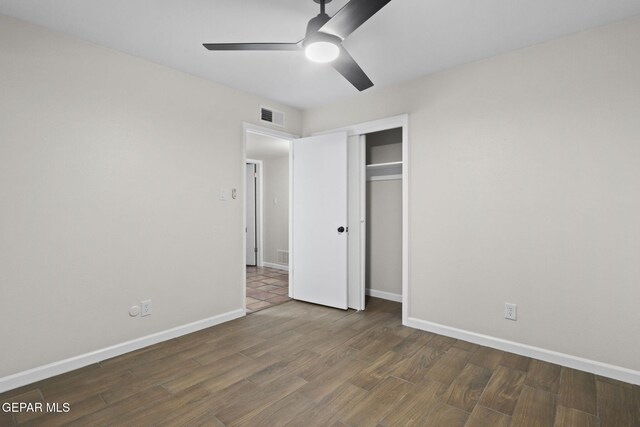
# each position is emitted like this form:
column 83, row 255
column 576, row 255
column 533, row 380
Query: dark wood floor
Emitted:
column 304, row 365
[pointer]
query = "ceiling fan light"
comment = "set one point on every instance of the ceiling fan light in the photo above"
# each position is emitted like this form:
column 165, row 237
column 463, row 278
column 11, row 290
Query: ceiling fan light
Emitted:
column 322, row 51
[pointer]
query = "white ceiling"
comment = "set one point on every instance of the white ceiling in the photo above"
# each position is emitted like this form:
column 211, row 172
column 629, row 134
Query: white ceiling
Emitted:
column 262, row 147
column 405, row 40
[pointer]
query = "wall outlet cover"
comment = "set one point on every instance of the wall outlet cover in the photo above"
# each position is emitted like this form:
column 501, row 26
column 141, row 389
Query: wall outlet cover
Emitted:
column 146, row 307
column 510, row 311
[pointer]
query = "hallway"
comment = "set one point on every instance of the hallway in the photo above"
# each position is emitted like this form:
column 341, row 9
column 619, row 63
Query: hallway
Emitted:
column 266, row 287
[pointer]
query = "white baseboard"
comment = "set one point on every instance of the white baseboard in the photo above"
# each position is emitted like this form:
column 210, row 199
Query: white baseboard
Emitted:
column 384, row 295
column 579, row 363
column 278, row 266
column 56, row 368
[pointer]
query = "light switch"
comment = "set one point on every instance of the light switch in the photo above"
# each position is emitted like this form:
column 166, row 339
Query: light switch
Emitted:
column 223, row 195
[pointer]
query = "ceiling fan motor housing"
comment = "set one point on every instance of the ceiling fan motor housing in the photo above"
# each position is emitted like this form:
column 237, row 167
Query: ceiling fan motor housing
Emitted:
column 316, row 23
column 313, row 35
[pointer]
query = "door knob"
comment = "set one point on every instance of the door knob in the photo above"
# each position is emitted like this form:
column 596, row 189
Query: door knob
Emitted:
column 341, row 229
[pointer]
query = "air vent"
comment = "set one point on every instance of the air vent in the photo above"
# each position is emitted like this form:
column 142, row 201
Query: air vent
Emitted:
column 272, row 116
column 283, row 257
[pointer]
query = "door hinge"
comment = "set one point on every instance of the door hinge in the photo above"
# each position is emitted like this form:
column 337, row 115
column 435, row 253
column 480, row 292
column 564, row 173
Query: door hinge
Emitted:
column 255, row 250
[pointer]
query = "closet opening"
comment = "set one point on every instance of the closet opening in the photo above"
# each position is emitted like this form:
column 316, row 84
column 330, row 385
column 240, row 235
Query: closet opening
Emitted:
column 378, row 223
column 383, row 214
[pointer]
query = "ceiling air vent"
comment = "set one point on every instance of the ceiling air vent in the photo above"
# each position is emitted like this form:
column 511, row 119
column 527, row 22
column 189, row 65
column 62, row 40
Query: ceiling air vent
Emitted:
column 272, row 116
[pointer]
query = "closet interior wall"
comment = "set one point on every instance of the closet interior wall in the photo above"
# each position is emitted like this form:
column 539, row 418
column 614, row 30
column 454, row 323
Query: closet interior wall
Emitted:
column 383, row 260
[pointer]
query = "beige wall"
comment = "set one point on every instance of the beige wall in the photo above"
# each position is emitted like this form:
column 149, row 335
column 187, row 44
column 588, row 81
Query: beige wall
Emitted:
column 525, row 187
column 110, row 168
column 276, row 215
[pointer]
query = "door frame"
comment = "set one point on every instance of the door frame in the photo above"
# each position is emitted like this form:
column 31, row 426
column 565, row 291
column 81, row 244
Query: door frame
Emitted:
column 260, row 130
column 259, row 212
column 393, row 122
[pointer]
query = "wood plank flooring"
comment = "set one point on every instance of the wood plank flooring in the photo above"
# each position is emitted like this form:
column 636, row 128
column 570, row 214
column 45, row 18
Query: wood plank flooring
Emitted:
column 299, row 364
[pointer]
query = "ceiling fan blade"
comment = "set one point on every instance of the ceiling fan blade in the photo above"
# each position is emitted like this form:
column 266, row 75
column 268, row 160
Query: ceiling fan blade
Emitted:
column 351, row 16
column 253, row 46
column 350, row 70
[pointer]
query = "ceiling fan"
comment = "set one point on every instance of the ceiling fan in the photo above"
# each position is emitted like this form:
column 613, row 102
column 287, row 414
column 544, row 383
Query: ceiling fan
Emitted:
column 323, row 39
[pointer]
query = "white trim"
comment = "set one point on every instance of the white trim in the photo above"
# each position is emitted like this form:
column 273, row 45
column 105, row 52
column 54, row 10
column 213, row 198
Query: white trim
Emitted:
column 290, row 295
column 262, row 130
column 355, row 222
column 384, row 295
column 277, row 266
column 56, row 368
column 405, row 217
column 372, row 126
column 579, row 363
column 363, row 221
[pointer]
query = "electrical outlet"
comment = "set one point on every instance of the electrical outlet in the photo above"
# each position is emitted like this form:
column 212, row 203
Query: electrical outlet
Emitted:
column 146, row 307
column 510, row 311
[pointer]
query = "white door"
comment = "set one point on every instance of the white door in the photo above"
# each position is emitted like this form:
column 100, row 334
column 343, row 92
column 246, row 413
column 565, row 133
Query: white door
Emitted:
column 319, row 220
column 252, row 243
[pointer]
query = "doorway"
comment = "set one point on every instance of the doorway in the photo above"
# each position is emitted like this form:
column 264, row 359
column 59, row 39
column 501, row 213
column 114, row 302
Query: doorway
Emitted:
column 266, row 204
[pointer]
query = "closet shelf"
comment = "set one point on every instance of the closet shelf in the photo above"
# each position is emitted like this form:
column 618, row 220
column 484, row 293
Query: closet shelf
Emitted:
column 389, row 170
